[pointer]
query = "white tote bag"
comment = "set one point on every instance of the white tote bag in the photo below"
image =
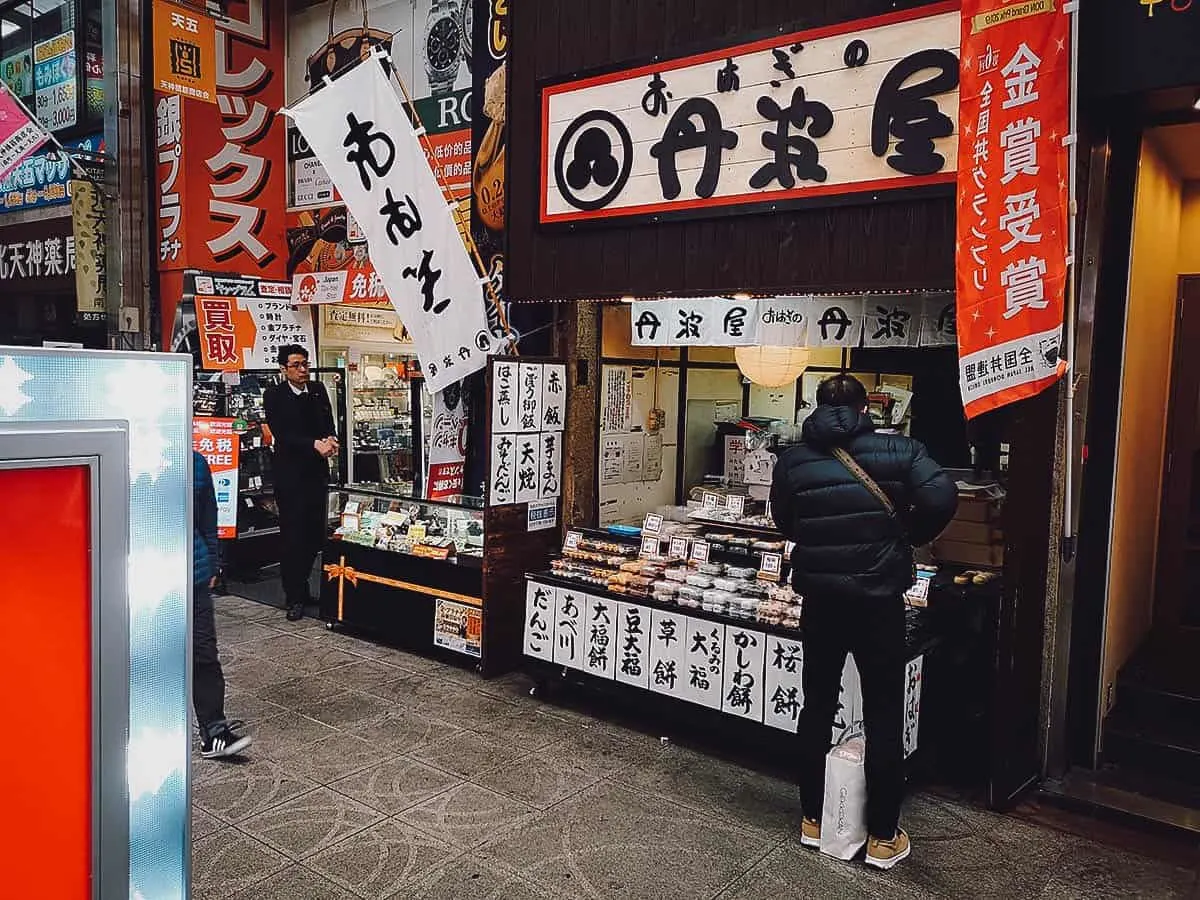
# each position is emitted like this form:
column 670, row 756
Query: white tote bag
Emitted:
column 844, row 815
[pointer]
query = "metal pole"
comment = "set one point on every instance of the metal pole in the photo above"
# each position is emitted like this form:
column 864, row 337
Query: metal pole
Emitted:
column 1068, row 533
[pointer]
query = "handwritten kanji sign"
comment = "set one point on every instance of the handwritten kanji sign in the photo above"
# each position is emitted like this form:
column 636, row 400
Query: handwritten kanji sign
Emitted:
column 1011, row 265
column 868, row 105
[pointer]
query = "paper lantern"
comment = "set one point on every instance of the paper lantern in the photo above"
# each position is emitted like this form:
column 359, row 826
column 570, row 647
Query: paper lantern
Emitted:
column 771, row 366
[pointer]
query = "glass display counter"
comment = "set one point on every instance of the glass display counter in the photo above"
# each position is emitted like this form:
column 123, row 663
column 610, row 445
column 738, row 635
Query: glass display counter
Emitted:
column 436, row 576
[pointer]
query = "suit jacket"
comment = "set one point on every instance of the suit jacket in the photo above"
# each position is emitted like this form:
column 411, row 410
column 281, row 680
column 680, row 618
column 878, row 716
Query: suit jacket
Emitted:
column 296, row 421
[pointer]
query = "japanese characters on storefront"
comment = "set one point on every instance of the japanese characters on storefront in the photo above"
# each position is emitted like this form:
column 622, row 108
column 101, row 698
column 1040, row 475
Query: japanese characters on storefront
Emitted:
column 529, row 416
column 242, row 323
column 870, row 106
column 1011, row 264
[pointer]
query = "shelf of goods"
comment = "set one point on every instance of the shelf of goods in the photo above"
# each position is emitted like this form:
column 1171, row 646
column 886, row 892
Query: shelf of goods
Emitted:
column 437, row 576
column 710, row 622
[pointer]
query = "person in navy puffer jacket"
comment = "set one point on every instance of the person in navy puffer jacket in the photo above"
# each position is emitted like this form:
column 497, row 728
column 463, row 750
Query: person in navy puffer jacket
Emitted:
column 854, row 533
column 218, row 736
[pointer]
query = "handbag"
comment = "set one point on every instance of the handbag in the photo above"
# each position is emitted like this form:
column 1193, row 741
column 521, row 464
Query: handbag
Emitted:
column 345, row 48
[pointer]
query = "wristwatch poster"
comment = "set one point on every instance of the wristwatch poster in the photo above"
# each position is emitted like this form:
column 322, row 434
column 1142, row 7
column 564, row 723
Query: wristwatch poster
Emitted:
column 443, row 46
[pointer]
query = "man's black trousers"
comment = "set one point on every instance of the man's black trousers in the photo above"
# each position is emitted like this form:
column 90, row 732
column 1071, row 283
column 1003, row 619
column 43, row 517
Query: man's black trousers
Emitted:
column 208, row 681
column 873, row 630
column 303, row 521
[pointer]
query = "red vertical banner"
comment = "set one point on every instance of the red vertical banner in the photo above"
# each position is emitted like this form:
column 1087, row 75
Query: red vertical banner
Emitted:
column 230, row 184
column 1011, row 262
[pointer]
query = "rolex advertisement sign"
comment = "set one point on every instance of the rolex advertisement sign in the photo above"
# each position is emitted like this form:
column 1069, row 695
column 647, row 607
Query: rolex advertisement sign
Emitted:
column 430, row 42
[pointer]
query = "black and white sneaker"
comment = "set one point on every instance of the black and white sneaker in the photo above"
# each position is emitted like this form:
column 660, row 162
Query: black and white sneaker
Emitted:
column 224, row 742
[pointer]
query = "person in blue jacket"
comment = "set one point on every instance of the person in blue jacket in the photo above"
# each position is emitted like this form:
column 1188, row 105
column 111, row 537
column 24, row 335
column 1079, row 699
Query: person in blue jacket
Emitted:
column 855, row 502
column 218, row 736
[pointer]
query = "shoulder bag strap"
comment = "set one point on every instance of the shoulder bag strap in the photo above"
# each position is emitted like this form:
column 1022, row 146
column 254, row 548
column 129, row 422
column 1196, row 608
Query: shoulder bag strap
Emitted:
column 864, row 479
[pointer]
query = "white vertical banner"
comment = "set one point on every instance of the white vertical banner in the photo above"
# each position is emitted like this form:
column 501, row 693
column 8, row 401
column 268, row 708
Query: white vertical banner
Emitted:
column 783, row 322
column 835, row 321
column 742, row 690
column 554, row 397
column 539, row 621
column 568, row 628
column 914, row 673
column 668, row 631
column 633, row 644
column 529, row 396
column 358, row 129
column 528, row 466
column 892, row 320
column 939, row 320
column 600, row 640
column 783, row 685
column 504, row 396
column 704, row 660
column 502, row 480
column 550, row 464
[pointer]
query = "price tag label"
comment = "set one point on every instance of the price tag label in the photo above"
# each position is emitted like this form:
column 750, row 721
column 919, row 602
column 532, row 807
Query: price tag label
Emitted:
column 352, row 506
column 652, row 524
column 700, row 551
column 918, row 594
column 350, row 522
column 788, row 548
column 709, row 500
column 679, row 548
column 416, row 532
column 771, row 567
column 736, row 504
column 572, row 540
column 649, row 546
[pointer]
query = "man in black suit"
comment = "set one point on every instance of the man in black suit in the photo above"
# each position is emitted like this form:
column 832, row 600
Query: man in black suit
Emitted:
column 300, row 417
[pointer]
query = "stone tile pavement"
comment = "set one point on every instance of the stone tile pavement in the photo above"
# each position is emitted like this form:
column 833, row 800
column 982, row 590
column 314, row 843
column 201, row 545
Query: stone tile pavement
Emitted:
column 381, row 774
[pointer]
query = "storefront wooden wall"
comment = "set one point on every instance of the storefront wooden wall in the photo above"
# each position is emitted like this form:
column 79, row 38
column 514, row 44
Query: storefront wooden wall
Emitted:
column 886, row 246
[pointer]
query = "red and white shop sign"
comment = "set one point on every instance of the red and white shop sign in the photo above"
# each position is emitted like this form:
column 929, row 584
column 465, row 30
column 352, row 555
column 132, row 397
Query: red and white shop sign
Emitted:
column 214, row 439
column 1011, row 263
column 866, row 105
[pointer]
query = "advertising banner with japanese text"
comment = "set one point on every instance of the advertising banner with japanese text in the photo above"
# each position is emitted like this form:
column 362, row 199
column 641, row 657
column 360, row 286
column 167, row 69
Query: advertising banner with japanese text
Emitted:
column 43, row 178
column 19, row 137
column 215, row 440
column 357, row 127
column 185, row 52
column 1011, row 266
column 246, row 333
column 448, row 445
column 230, row 183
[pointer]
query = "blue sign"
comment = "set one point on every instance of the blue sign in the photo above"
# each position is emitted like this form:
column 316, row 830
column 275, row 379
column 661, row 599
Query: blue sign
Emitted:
column 41, row 180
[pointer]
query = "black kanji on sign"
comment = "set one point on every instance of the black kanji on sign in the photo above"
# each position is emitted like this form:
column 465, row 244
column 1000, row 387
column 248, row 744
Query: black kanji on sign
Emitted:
column 647, row 325
column 682, row 134
column 361, row 139
column 654, row 101
column 783, row 62
column 909, row 112
column 429, row 277
column 727, row 77
column 793, row 151
column 399, row 218
column 834, row 318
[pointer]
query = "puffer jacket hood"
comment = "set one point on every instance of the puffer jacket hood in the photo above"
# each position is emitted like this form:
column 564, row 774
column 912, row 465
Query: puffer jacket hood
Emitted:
column 847, row 545
column 834, row 426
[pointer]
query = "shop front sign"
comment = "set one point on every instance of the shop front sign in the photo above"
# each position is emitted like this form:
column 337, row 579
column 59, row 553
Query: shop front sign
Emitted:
column 529, row 415
column 19, row 136
column 55, row 99
column 243, row 322
column 43, row 179
column 872, row 320
column 360, row 131
column 89, row 228
column 867, row 106
column 1011, row 260
column 38, row 255
column 216, row 441
column 185, row 52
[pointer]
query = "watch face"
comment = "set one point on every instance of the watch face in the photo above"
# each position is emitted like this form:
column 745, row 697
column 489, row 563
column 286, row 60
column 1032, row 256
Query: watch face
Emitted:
column 468, row 26
column 443, row 43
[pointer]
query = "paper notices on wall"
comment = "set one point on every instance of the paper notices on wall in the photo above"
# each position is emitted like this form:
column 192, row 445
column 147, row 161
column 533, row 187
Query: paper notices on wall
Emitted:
column 616, row 405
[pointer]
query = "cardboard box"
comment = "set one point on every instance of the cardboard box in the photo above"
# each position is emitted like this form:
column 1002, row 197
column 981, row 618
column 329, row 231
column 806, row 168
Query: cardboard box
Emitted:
column 977, row 509
column 973, row 532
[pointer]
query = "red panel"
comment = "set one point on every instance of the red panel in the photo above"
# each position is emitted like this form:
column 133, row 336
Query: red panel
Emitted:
column 45, row 667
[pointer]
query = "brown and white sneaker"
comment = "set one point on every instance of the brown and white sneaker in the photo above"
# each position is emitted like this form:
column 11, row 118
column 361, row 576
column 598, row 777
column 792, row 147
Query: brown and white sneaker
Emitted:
column 885, row 854
column 810, row 833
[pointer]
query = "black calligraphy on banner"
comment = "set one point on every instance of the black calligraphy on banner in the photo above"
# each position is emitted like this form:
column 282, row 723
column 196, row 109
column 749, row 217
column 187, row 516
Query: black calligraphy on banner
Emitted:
column 428, row 277
column 906, row 110
column 654, row 101
column 361, row 139
column 796, row 155
column 402, row 216
column 683, row 134
column 727, row 77
column 538, row 621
